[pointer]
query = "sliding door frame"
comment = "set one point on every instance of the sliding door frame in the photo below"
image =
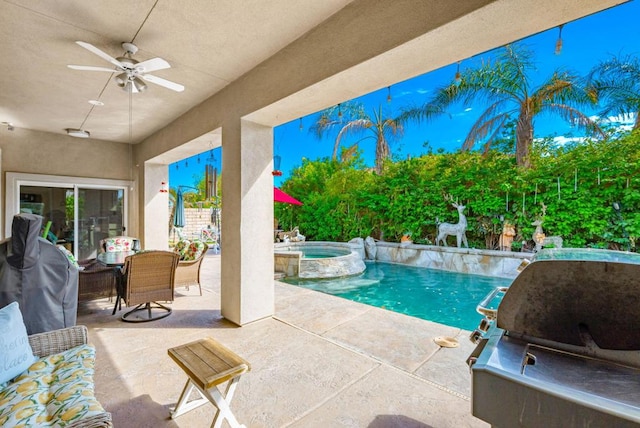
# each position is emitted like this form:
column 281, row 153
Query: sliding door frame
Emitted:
column 15, row 179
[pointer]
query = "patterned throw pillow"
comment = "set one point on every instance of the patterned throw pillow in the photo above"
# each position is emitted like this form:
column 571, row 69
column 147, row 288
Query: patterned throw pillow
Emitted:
column 118, row 244
column 194, row 250
column 181, row 248
column 15, row 352
column 55, row 391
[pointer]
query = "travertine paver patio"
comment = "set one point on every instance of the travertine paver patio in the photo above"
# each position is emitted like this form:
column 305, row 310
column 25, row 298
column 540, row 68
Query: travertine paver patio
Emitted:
column 321, row 361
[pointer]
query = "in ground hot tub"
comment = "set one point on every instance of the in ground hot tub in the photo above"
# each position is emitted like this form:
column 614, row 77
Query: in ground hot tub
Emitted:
column 318, row 259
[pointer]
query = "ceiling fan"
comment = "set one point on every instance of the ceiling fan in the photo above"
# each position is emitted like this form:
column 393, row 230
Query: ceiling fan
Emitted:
column 132, row 72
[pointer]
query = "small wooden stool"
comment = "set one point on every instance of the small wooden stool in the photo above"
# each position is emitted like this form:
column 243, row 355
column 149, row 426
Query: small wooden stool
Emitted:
column 208, row 364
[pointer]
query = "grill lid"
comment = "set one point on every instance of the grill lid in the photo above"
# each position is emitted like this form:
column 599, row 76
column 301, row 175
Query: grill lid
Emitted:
column 588, row 298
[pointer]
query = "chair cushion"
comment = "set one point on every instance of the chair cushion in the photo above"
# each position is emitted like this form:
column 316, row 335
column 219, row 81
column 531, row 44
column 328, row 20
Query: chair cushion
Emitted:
column 189, row 250
column 195, row 249
column 55, row 390
column 118, row 244
column 181, row 248
column 15, row 352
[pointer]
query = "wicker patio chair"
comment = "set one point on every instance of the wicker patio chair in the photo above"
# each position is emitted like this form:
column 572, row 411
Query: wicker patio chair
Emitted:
column 149, row 277
column 188, row 273
column 96, row 281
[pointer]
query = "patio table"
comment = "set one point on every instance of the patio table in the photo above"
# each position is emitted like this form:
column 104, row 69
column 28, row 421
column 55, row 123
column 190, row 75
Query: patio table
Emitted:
column 116, row 260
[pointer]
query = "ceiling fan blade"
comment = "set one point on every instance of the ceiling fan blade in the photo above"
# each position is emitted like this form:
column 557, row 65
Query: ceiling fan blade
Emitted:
column 152, row 64
column 101, row 54
column 91, row 68
column 163, row 82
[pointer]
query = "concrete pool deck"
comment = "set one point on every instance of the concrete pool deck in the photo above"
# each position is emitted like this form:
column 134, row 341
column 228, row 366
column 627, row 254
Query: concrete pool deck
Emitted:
column 321, row 361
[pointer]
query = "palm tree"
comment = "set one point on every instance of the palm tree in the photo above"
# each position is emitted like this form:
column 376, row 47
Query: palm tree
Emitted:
column 617, row 80
column 507, row 88
column 353, row 120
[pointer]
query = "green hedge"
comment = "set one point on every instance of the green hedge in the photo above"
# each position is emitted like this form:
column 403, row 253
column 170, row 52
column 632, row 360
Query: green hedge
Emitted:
column 578, row 184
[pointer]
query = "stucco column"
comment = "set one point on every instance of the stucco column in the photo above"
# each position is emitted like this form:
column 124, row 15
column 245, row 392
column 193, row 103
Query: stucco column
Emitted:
column 156, row 207
column 247, row 222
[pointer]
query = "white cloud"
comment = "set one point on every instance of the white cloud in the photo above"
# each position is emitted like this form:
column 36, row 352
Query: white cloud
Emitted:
column 468, row 109
column 562, row 140
column 423, row 91
column 623, row 119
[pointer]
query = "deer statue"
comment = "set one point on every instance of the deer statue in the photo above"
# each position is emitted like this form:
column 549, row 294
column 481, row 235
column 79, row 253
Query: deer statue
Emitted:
column 539, row 237
column 458, row 229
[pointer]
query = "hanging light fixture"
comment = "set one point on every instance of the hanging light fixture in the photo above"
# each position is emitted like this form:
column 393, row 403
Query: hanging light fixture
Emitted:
column 388, row 94
column 186, row 163
column 276, row 166
column 339, row 112
column 458, row 78
column 78, row 133
column 300, row 127
column 559, row 41
column 130, row 84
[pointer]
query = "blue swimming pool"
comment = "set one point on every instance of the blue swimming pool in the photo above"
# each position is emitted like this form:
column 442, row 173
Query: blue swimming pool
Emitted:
column 445, row 297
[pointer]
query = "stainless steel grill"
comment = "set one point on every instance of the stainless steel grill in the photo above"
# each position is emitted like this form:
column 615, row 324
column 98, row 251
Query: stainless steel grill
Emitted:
column 563, row 347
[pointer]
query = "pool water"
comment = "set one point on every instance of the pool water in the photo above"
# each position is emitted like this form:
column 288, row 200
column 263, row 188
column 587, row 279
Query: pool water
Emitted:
column 323, row 253
column 445, row 297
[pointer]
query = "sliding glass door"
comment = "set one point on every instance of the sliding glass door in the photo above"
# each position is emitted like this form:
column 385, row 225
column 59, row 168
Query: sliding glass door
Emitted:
column 77, row 216
column 100, row 214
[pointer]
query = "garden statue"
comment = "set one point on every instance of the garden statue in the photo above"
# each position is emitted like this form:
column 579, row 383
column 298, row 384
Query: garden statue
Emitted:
column 506, row 238
column 458, row 229
column 538, row 234
column 540, row 238
column 370, row 248
column 290, row 236
column 406, row 239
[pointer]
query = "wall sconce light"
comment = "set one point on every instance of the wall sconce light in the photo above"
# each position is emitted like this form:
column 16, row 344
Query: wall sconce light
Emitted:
column 163, row 187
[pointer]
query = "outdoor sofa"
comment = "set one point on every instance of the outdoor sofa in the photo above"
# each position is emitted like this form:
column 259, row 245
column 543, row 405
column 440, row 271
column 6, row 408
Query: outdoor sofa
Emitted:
column 57, row 388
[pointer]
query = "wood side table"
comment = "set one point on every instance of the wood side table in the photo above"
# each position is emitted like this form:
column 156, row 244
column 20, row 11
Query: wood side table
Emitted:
column 208, row 364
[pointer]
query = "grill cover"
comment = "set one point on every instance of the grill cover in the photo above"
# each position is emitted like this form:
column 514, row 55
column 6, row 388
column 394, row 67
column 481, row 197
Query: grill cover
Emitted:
column 34, row 273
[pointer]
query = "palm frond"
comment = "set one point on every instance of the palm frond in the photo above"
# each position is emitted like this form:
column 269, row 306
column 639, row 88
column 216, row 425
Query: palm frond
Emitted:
column 352, row 127
column 576, row 118
column 482, row 127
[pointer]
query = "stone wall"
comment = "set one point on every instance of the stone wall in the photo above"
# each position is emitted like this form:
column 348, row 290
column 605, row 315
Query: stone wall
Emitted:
column 502, row 264
column 465, row 260
column 195, row 219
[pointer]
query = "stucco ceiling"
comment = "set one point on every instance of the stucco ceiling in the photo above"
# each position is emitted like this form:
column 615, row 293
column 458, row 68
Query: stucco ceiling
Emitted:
column 209, row 44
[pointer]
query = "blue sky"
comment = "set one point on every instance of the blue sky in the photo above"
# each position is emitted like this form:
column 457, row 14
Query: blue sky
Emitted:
column 585, row 43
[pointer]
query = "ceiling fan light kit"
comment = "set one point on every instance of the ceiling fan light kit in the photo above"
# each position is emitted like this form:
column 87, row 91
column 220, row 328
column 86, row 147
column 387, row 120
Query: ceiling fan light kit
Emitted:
column 78, row 133
column 130, row 83
column 132, row 73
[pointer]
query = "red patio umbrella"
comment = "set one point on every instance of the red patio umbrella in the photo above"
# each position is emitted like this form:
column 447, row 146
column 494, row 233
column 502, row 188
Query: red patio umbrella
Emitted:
column 280, row 196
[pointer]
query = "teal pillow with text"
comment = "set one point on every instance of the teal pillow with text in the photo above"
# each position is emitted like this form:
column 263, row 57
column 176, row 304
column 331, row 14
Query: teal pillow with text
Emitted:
column 15, row 352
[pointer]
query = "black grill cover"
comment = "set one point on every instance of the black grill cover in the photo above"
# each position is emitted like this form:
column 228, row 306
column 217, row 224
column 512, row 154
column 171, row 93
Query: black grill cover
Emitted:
column 37, row 275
